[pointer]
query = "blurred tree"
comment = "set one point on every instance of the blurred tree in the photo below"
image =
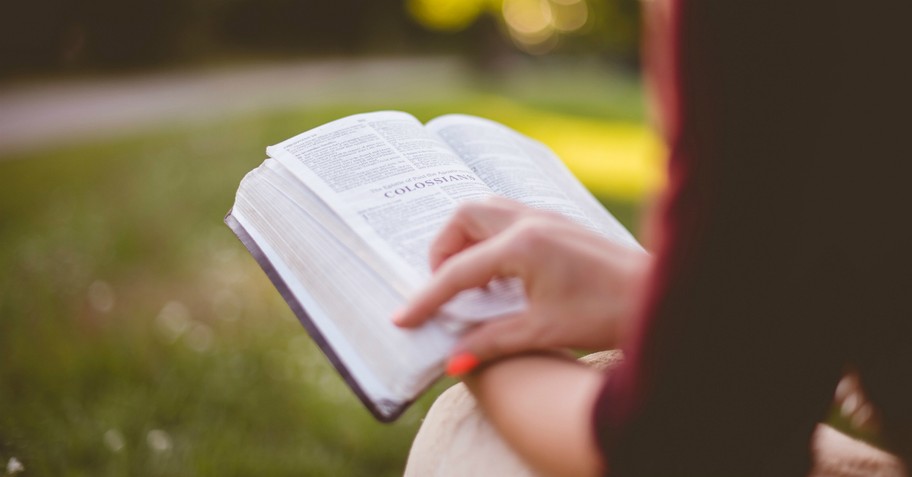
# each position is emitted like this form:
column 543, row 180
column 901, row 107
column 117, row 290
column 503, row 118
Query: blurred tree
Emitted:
column 102, row 34
column 291, row 25
column 53, row 34
column 130, row 33
column 32, row 34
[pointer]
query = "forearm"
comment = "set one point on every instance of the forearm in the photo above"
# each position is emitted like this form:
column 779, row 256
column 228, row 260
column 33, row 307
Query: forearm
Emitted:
column 542, row 406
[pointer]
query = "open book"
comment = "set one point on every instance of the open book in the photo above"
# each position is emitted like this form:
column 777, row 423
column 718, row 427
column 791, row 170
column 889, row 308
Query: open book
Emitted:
column 341, row 217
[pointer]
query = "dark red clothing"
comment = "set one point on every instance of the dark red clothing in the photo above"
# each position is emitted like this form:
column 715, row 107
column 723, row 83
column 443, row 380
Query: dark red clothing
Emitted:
column 786, row 247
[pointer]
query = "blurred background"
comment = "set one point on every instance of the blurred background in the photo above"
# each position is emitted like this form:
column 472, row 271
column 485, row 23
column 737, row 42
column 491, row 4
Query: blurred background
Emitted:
column 137, row 336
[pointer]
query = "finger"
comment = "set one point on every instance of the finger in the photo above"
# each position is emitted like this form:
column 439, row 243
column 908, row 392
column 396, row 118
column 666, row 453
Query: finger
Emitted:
column 474, row 267
column 500, row 337
column 455, row 236
column 472, row 223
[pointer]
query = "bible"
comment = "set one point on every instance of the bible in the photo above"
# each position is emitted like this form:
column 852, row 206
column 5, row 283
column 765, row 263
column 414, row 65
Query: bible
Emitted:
column 341, row 217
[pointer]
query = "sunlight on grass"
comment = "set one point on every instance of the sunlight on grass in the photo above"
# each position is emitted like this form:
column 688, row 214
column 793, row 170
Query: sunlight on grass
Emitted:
column 621, row 160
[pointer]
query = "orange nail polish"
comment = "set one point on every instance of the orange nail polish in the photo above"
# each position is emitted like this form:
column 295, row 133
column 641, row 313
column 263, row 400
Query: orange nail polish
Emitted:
column 461, row 363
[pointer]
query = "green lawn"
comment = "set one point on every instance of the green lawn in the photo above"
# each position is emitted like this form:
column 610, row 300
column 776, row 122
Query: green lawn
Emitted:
column 137, row 336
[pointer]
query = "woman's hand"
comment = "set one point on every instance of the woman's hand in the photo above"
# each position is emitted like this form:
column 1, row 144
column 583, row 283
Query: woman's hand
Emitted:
column 580, row 287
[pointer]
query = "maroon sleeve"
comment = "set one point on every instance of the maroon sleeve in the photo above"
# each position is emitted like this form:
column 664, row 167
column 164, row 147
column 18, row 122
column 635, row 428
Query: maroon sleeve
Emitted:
column 780, row 227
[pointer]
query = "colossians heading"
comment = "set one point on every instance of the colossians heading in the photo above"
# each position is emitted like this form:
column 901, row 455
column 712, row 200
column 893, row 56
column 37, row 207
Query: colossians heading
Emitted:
column 435, row 181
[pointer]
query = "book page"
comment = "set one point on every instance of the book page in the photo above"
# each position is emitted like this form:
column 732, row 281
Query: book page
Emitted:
column 395, row 185
column 388, row 179
column 344, row 298
column 525, row 170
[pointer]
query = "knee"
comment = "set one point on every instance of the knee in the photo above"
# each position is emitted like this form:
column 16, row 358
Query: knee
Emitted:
column 456, row 439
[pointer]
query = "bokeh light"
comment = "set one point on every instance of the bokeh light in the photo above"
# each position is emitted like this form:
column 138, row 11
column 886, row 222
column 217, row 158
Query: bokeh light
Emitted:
column 569, row 15
column 530, row 24
column 533, row 26
column 446, row 15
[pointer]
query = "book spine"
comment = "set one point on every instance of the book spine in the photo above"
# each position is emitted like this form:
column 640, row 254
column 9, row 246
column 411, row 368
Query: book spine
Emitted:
column 384, row 410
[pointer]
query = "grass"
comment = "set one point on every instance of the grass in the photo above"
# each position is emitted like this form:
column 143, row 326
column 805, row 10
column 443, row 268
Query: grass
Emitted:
column 138, row 338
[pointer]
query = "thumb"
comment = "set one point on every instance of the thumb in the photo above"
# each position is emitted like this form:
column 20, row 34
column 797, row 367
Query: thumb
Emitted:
column 491, row 340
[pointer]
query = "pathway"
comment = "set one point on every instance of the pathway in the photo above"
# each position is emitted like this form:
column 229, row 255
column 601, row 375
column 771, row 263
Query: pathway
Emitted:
column 35, row 115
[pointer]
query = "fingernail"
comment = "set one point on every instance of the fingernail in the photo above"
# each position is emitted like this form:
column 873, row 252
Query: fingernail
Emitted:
column 398, row 315
column 461, row 363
